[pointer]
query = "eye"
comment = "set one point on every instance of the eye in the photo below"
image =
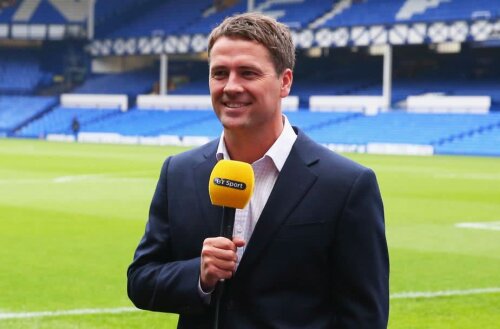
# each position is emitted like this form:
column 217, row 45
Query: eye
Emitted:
column 248, row 74
column 219, row 74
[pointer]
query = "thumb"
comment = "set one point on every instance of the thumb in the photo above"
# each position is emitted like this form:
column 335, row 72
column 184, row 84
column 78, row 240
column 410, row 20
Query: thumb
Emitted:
column 238, row 242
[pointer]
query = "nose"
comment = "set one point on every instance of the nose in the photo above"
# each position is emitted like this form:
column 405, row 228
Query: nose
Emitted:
column 233, row 84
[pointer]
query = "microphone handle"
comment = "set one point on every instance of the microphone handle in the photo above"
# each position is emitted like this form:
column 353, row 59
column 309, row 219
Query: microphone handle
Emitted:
column 227, row 224
column 226, row 230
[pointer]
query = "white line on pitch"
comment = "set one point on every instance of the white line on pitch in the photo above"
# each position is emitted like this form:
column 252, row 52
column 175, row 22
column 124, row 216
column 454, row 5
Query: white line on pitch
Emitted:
column 99, row 178
column 445, row 293
column 493, row 226
column 474, row 176
column 77, row 179
column 24, row 315
column 118, row 310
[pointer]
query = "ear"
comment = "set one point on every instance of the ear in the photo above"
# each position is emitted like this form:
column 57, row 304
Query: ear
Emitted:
column 286, row 82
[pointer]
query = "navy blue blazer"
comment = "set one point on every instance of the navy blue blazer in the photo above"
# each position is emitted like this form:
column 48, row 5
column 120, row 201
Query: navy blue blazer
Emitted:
column 317, row 258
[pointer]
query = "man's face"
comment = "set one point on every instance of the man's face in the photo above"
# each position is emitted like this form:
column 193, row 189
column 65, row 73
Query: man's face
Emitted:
column 246, row 91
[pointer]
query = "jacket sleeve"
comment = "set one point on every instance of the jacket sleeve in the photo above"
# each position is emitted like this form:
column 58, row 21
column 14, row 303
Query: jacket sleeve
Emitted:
column 156, row 281
column 361, row 261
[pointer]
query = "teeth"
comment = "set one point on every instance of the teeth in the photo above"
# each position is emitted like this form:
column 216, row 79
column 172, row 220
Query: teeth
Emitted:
column 234, row 105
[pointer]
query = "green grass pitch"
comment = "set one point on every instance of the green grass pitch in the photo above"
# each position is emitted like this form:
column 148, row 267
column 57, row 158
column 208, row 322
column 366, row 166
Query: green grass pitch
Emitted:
column 71, row 216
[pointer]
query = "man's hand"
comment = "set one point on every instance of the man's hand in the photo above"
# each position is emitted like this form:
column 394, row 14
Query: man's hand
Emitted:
column 218, row 260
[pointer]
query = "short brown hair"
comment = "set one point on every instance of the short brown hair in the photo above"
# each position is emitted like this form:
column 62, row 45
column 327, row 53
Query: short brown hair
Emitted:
column 263, row 29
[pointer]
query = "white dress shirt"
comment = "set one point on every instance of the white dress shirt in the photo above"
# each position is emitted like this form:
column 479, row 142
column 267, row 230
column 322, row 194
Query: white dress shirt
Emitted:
column 266, row 171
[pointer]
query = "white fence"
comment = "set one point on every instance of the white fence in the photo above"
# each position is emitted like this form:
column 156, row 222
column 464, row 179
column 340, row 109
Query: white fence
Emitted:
column 448, row 104
column 95, row 101
column 369, row 105
column 195, row 102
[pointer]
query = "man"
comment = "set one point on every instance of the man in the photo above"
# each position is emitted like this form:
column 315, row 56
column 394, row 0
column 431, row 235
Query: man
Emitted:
column 75, row 127
column 309, row 251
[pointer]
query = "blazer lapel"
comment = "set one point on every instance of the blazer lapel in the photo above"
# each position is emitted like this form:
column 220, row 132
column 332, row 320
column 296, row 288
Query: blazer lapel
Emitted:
column 202, row 170
column 293, row 182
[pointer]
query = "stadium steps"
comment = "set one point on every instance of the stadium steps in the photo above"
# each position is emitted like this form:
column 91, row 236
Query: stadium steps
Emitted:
column 150, row 122
column 337, row 8
column 467, row 133
column 185, row 124
column 130, row 83
column 101, row 118
column 58, row 120
column 485, row 143
column 332, row 121
column 18, row 111
column 210, row 128
column 50, row 107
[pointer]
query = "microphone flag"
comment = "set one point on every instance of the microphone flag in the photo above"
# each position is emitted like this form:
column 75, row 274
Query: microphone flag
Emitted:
column 231, row 184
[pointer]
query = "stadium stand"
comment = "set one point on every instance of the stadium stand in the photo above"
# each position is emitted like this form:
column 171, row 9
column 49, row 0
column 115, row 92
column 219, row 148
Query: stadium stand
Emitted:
column 58, row 121
column 447, row 133
column 197, row 87
column 343, row 66
column 210, row 17
column 152, row 122
column 169, row 17
column 339, row 73
column 7, row 10
column 296, row 14
column 109, row 14
column 154, row 17
column 188, row 77
column 481, row 142
column 16, row 111
column 20, row 71
column 45, row 12
column 130, row 83
column 191, row 17
column 450, row 10
column 200, row 16
column 368, row 12
column 401, row 127
column 312, row 121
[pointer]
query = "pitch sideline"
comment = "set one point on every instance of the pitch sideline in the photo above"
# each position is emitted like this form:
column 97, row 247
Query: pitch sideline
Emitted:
column 119, row 310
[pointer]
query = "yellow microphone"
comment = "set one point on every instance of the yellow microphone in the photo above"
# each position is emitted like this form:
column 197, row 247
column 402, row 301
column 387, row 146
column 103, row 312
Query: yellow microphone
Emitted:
column 230, row 186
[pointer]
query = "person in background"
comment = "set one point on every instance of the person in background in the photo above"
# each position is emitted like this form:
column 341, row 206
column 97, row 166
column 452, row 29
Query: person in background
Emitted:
column 75, row 127
column 309, row 250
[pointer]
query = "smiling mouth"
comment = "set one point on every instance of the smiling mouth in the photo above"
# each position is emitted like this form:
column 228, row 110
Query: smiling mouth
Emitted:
column 235, row 105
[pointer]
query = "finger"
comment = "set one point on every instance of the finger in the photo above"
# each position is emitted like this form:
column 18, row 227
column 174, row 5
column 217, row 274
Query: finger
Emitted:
column 220, row 259
column 213, row 270
column 217, row 253
column 209, row 278
column 224, row 265
column 220, row 243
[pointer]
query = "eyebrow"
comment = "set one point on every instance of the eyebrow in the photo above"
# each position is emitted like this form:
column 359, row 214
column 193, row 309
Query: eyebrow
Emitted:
column 242, row 67
column 217, row 67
